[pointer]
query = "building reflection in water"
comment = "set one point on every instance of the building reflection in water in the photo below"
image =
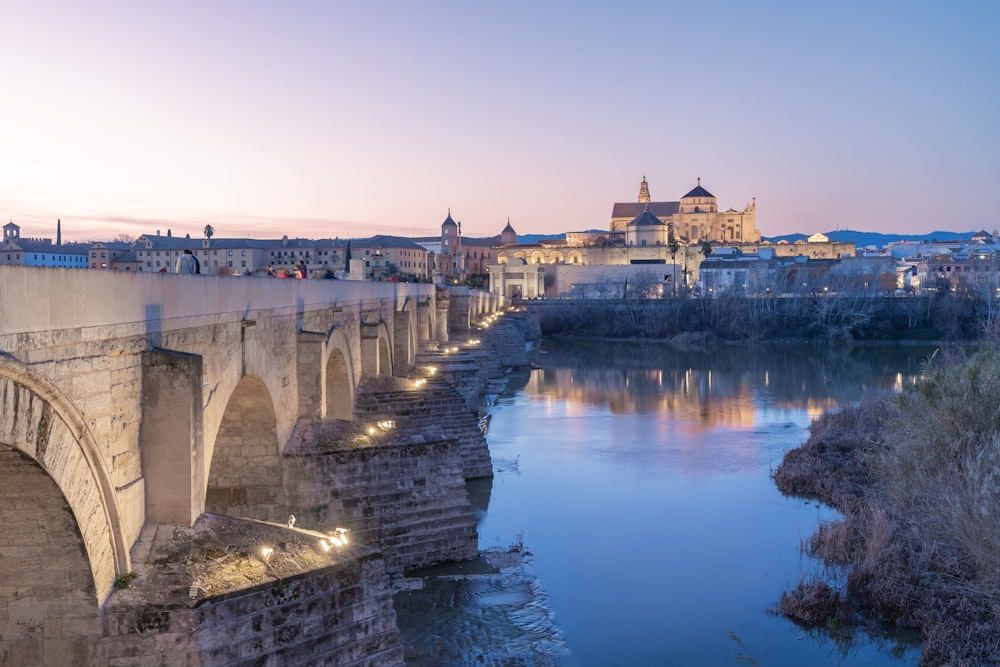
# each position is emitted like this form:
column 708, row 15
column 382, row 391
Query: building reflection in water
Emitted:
column 726, row 386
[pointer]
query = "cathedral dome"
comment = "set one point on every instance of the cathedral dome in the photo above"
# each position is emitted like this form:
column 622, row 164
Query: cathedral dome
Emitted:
column 699, row 192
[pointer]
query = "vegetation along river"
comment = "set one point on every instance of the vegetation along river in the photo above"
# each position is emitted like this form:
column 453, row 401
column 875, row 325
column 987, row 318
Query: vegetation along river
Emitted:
column 632, row 483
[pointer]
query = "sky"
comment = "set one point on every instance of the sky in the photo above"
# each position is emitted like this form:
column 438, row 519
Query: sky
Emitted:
column 344, row 118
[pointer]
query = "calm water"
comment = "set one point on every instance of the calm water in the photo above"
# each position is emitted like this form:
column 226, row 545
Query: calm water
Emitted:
column 638, row 482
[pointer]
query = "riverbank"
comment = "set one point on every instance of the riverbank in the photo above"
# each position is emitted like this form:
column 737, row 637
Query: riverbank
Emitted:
column 914, row 477
column 837, row 318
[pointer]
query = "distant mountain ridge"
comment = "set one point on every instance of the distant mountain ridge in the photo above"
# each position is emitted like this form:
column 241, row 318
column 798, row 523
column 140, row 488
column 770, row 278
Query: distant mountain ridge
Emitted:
column 879, row 240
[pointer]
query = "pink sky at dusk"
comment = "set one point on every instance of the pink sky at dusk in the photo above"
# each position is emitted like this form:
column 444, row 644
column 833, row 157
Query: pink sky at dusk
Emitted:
column 320, row 119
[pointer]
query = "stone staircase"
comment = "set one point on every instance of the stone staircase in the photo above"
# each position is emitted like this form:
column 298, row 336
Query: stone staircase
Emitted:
column 403, row 493
column 437, row 412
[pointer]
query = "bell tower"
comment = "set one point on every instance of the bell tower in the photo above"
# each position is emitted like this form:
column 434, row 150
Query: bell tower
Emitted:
column 450, row 245
column 11, row 232
column 644, row 191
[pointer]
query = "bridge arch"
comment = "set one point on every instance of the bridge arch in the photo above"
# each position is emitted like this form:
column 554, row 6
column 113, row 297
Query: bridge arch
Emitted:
column 40, row 421
column 53, row 615
column 384, row 351
column 338, row 382
column 406, row 335
column 244, row 476
column 376, row 350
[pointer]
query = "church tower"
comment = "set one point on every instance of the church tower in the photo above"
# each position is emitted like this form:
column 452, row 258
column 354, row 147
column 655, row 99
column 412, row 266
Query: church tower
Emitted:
column 11, row 232
column 644, row 191
column 450, row 245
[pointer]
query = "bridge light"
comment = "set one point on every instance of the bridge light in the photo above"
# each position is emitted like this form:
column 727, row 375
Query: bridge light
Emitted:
column 266, row 553
column 326, row 546
column 338, row 537
column 371, row 430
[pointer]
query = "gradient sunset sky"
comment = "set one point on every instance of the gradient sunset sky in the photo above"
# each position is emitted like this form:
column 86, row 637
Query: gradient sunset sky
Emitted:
column 322, row 119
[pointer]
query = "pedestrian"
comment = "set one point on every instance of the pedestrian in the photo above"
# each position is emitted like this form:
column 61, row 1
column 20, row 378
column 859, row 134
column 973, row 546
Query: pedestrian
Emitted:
column 270, row 270
column 187, row 263
column 300, row 269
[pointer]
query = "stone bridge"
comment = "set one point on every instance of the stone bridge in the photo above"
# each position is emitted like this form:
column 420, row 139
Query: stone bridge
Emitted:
column 136, row 399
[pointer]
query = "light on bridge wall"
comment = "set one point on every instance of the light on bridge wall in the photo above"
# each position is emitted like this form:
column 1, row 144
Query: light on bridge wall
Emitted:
column 337, row 538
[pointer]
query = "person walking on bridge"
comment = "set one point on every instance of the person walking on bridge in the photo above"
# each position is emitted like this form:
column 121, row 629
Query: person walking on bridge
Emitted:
column 187, row 263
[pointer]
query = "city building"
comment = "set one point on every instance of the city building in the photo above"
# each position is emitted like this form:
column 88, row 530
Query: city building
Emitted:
column 386, row 256
column 18, row 251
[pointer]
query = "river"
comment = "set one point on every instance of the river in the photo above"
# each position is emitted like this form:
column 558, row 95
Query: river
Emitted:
column 632, row 498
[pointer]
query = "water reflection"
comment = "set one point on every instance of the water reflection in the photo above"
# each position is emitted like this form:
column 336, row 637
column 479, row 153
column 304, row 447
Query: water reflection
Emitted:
column 724, row 386
column 637, row 478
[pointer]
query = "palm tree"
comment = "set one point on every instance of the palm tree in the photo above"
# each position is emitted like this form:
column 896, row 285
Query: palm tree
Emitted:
column 706, row 249
column 674, row 244
column 209, row 231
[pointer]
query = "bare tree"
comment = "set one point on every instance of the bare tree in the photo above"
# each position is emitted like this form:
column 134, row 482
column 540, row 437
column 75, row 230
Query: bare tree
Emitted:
column 122, row 237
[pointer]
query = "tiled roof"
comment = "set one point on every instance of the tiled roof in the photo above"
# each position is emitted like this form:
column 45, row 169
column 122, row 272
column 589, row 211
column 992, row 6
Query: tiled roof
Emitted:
column 28, row 245
column 385, row 241
column 632, row 210
column 647, row 219
column 480, row 242
column 169, row 242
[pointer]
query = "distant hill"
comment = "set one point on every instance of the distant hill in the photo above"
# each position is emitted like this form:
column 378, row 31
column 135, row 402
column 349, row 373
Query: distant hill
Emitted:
column 864, row 239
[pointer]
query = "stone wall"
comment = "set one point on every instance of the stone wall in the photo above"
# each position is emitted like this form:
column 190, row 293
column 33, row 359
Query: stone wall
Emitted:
column 340, row 616
column 404, row 495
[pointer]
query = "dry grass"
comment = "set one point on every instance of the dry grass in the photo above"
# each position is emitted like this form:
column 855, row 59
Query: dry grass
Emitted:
column 918, row 478
column 833, row 465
